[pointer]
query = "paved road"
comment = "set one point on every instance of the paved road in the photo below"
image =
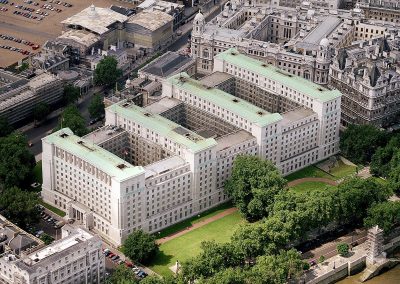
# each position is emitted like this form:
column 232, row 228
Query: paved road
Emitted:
column 187, row 28
column 36, row 134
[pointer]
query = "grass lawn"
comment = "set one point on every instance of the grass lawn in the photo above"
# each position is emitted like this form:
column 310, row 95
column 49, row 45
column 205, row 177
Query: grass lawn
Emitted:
column 310, row 171
column 52, row 208
column 37, row 172
column 342, row 170
column 309, row 186
column 189, row 222
column 188, row 245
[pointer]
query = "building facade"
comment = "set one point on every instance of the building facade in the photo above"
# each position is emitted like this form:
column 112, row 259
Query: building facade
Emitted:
column 18, row 99
column 156, row 165
column 368, row 76
column 76, row 258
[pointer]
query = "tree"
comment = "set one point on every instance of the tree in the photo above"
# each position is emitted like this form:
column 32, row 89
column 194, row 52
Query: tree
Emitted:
column 355, row 196
column 20, row 206
column 122, row 275
column 386, row 215
column 381, row 160
column 253, row 185
column 16, row 162
column 152, row 279
column 140, row 246
column 342, row 249
column 73, row 119
column 71, row 94
column 394, row 173
column 321, row 259
column 106, row 72
column 47, row 239
column 227, row 276
column 41, row 111
column 359, row 142
column 281, row 268
column 96, row 107
column 5, row 127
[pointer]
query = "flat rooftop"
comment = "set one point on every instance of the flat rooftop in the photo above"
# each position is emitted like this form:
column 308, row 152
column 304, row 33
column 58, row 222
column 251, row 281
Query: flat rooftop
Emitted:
column 93, row 154
column 95, row 19
column 151, row 20
column 103, row 134
column 296, row 114
column 322, row 30
column 163, row 166
column 42, row 79
column 224, row 100
column 167, row 64
column 80, row 36
column 233, row 139
column 215, row 79
column 163, row 105
column 60, row 245
column 286, row 79
column 162, row 126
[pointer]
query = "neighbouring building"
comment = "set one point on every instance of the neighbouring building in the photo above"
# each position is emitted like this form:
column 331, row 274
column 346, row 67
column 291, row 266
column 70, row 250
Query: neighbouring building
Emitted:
column 24, row 259
column 153, row 166
column 19, row 98
column 368, row 76
column 150, row 29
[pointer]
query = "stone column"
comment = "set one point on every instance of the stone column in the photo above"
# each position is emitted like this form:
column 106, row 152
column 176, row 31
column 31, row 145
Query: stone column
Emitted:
column 374, row 245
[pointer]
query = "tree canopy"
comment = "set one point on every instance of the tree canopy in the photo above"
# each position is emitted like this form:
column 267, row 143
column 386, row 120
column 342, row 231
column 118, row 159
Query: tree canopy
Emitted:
column 386, row 215
column 19, row 206
column 5, row 127
column 381, row 160
column 107, row 72
column 96, row 107
column 253, row 184
column 71, row 94
column 122, row 275
column 16, row 162
column 72, row 118
column 359, row 142
column 41, row 111
column 140, row 246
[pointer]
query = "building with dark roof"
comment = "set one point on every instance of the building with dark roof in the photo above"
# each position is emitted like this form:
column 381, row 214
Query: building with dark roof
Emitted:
column 368, row 75
column 167, row 65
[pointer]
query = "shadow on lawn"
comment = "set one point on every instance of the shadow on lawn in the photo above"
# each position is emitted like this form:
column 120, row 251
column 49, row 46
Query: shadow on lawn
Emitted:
column 162, row 259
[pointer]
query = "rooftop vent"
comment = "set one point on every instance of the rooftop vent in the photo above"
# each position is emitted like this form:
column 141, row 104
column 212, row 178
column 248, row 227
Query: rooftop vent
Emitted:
column 264, row 65
column 260, row 113
column 233, row 53
column 320, row 89
column 235, row 100
column 80, row 142
column 125, row 105
column 147, row 114
column 121, row 166
column 63, row 135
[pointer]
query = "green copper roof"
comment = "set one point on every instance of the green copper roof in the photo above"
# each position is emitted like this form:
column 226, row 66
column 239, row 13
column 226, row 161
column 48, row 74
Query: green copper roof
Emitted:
column 163, row 127
column 93, row 154
column 294, row 82
column 224, row 100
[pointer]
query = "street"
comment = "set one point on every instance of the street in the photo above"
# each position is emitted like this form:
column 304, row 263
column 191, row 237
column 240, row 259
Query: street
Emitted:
column 35, row 134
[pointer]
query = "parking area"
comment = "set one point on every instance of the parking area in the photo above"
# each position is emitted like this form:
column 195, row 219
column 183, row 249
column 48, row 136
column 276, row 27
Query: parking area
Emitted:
column 49, row 224
column 113, row 259
column 37, row 21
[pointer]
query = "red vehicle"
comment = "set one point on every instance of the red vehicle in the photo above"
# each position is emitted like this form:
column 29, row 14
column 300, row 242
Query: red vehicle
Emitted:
column 128, row 264
column 36, row 46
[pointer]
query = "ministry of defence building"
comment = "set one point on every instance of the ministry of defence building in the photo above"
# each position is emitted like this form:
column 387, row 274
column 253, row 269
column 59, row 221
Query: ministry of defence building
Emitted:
column 153, row 166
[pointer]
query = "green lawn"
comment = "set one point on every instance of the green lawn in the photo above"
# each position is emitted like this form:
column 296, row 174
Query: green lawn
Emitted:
column 37, row 172
column 310, row 171
column 189, row 222
column 52, row 208
column 342, row 170
column 188, row 245
column 309, row 186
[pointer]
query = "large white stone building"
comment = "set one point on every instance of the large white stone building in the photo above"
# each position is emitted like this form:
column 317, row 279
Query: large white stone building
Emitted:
column 24, row 259
column 154, row 166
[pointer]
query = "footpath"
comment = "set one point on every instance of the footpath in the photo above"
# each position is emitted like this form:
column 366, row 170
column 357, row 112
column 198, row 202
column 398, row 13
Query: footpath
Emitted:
column 197, row 225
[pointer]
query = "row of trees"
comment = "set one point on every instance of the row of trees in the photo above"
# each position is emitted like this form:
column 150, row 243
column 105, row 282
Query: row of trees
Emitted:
column 366, row 144
column 17, row 203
